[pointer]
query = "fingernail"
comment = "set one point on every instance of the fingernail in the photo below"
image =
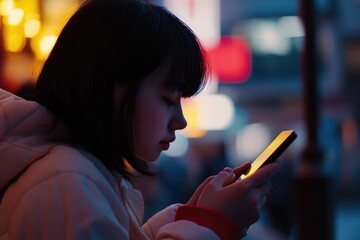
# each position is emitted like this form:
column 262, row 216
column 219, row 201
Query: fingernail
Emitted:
column 227, row 169
column 234, row 176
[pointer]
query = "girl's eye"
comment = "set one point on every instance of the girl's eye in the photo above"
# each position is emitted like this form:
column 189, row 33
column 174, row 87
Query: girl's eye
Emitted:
column 171, row 98
column 169, row 101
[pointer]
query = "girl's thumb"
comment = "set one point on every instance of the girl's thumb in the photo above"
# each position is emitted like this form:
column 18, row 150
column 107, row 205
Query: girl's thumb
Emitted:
column 242, row 169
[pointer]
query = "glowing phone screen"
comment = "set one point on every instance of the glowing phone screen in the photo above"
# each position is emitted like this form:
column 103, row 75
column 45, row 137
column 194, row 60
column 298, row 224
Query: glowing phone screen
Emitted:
column 272, row 151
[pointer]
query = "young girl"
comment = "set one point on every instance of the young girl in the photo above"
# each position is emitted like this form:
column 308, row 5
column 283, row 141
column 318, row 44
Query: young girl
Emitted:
column 108, row 102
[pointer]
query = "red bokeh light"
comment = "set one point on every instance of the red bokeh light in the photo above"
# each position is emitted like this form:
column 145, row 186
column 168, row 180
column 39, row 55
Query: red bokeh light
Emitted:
column 231, row 60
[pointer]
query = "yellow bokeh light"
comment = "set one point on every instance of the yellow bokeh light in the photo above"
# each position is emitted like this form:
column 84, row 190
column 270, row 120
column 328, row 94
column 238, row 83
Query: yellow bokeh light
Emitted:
column 217, row 111
column 46, row 44
column 192, row 114
column 15, row 16
column 15, row 43
column 251, row 140
column 6, row 6
column 32, row 28
column 207, row 112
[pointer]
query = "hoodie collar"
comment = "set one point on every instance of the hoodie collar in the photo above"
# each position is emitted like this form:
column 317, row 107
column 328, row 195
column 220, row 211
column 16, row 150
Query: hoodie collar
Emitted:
column 24, row 126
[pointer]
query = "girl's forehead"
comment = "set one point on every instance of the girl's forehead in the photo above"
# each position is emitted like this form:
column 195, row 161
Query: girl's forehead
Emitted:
column 177, row 76
column 156, row 79
column 160, row 75
column 159, row 80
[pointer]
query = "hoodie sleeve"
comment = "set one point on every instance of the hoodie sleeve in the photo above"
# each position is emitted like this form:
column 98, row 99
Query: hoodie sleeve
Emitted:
column 163, row 226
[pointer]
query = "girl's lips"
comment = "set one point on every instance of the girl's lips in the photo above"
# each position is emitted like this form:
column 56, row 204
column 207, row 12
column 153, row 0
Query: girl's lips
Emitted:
column 165, row 145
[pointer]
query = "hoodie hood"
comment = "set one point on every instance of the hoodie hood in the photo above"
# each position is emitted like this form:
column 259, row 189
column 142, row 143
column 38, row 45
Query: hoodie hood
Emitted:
column 24, row 126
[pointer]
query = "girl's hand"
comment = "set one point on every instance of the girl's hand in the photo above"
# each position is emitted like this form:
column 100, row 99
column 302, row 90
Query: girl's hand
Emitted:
column 237, row 171
column 241, row 200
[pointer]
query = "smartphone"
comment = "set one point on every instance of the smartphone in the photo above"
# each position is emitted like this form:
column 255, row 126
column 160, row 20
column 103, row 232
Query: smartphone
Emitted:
column 271, row 152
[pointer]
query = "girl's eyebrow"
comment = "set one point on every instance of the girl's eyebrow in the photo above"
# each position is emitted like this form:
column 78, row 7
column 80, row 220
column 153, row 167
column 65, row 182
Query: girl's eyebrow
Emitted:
column 172, row 90
column 168, row 87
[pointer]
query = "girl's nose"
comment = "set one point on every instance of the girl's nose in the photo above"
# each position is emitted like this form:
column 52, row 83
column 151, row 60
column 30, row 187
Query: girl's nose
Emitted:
column 178, row 122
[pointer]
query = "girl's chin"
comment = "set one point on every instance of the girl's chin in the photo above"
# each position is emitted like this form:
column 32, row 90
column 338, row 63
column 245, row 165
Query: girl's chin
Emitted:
column 152, row 158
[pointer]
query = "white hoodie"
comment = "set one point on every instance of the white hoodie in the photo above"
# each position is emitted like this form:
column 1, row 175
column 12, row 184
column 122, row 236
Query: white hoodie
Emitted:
column 54, row 191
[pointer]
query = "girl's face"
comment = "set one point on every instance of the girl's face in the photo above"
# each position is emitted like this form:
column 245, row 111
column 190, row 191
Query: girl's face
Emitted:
column 158, row 115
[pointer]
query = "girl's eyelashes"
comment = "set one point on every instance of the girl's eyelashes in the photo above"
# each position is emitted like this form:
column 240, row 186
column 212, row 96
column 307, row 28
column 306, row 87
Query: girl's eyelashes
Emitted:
column 169, row 101
column 171, row 98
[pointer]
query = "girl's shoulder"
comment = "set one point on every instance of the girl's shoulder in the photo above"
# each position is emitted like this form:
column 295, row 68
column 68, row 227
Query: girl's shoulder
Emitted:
column 63, row 159
column 64, row 184
column 60, row 164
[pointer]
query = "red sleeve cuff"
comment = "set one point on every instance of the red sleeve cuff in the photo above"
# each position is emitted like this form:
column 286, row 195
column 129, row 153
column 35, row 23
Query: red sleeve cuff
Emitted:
column 225, row 228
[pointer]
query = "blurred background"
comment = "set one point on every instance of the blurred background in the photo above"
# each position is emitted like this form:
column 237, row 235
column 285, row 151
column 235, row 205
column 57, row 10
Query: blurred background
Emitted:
column 257, row 89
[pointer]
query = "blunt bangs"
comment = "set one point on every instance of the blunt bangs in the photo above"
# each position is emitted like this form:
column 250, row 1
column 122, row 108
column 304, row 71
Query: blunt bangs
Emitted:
column 188, row 67
column 168, row 40
column 187, row 59
column 172, row 42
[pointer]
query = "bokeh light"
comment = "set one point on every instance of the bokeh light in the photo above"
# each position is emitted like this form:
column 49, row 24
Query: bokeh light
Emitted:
column 252, row 140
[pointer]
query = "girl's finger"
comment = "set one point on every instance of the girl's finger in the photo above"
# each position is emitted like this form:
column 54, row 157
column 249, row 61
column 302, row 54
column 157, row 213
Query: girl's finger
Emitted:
column 263, row 174
column 261, row 202
column 194, row 198
column 223, row 178
column 238, row 171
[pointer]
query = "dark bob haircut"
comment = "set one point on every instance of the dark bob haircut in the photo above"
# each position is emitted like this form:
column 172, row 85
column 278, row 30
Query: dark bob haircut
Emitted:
column 111, row 42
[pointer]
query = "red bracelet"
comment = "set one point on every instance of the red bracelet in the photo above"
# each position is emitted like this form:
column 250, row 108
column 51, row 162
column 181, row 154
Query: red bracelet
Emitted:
column 225, row 228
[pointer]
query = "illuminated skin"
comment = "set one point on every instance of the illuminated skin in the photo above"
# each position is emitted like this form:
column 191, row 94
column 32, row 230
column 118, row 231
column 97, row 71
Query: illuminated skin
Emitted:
column 158, row 115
